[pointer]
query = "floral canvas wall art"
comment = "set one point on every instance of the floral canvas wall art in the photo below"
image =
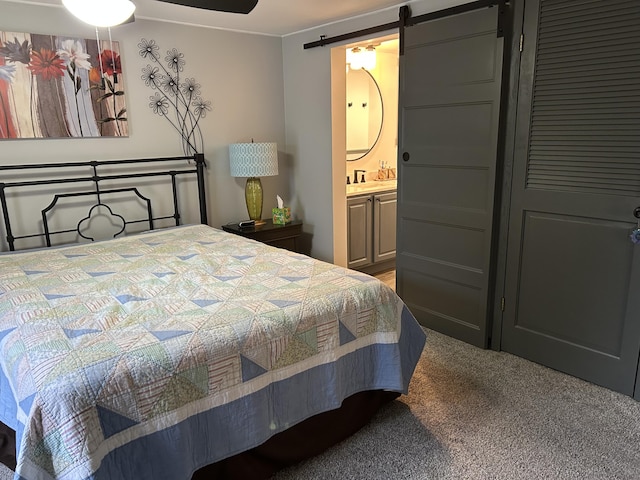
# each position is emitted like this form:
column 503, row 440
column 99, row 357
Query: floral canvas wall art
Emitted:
column 56, row 87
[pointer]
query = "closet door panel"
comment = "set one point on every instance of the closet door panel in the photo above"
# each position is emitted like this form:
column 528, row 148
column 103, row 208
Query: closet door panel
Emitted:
column 573, row 274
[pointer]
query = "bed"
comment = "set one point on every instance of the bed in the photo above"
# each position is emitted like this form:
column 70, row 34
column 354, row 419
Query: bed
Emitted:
column 187, row 352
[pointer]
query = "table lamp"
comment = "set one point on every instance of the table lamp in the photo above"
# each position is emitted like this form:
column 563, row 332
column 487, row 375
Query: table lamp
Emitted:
column 253, row 160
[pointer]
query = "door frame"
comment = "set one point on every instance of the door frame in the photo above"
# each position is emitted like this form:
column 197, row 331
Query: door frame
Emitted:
column 508, row 117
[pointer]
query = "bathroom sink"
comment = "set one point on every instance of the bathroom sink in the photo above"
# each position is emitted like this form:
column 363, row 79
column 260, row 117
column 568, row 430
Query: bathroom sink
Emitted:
column 370, row 187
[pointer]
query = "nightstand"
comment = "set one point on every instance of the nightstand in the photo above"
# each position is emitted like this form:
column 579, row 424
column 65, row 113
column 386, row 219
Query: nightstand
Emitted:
column 281, row 236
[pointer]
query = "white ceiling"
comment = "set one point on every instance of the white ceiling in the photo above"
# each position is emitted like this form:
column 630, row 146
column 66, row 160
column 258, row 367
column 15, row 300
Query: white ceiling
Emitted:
column 269, row 17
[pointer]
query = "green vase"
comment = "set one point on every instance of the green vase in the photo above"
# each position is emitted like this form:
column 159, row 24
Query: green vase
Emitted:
column 253, row 196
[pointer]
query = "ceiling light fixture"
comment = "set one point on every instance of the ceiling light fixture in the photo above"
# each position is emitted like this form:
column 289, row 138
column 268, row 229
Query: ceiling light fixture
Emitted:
column 101, row 13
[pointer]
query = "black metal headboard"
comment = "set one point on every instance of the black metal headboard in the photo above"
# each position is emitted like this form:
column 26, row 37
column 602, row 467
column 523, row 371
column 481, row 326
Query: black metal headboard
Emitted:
column 90, row 172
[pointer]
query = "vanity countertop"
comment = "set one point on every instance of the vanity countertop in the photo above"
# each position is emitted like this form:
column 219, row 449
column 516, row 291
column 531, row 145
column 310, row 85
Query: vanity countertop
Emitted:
column 371, row 187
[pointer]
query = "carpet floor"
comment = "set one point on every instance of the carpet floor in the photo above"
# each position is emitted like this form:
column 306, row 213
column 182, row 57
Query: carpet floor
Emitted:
column 480, row 414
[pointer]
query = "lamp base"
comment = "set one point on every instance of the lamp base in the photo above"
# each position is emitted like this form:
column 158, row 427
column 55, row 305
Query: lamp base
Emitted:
column 253, row 197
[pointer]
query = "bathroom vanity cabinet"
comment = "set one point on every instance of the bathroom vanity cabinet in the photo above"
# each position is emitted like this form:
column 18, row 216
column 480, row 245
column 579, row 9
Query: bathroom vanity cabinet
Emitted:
column 371, row 236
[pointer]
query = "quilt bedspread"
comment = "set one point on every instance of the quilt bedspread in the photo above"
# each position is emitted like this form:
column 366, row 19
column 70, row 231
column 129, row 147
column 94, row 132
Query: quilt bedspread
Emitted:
column 181, row 347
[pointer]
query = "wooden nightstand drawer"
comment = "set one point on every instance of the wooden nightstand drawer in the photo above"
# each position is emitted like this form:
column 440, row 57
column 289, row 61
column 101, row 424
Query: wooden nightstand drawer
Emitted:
column 281, row 236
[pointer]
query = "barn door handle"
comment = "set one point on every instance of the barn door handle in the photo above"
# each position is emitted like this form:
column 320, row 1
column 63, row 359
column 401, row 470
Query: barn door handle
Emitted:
column 406, row 156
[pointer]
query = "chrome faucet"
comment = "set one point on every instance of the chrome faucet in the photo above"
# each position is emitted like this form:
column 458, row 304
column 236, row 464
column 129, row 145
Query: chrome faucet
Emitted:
column 355, row 176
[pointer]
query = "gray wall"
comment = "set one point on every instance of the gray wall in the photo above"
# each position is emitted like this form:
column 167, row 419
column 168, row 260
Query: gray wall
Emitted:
column 241, row 74
column 258, row 86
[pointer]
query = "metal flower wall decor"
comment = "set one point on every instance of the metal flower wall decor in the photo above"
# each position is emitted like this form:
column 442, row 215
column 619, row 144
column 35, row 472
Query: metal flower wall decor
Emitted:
column 177, row 100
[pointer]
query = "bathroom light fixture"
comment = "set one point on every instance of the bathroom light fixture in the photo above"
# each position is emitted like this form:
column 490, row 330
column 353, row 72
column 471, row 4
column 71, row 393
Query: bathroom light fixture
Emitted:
column 253, row 160
column 101, row 13
column 362, row 58
column 354, row 58
column 368, row 58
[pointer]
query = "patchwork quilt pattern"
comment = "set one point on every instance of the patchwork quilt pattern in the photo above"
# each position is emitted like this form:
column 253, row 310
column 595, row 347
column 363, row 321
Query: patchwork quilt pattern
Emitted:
column 106, row 342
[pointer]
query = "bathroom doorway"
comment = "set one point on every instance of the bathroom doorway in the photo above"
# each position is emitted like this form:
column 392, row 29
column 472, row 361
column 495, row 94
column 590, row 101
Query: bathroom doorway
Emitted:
column 365, row 139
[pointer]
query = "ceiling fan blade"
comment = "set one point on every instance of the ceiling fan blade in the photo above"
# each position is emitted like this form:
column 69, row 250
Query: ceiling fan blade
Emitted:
column 233, row 6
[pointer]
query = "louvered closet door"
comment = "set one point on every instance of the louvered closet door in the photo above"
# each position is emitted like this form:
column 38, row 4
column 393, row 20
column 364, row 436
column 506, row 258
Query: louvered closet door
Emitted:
column 573, row 275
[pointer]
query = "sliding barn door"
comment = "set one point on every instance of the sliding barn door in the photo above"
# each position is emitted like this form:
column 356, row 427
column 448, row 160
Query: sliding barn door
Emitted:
column 450, row 79
column 572, row 295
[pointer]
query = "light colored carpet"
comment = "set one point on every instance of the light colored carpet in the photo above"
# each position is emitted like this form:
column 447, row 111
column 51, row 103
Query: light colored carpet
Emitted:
column 480, row 414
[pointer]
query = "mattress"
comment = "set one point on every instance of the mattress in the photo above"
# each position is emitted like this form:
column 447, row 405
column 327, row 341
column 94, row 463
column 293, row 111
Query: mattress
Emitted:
column 153, row 355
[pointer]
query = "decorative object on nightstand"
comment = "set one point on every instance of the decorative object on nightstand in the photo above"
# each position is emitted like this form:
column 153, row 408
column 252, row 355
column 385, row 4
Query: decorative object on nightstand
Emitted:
column 281, row 214
column 253, row 160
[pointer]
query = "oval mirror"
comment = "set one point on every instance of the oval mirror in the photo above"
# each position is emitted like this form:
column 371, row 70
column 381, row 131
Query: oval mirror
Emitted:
column 364, row 113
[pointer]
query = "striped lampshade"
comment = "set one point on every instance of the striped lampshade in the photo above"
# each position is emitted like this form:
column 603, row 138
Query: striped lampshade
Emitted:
column 253, row 159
